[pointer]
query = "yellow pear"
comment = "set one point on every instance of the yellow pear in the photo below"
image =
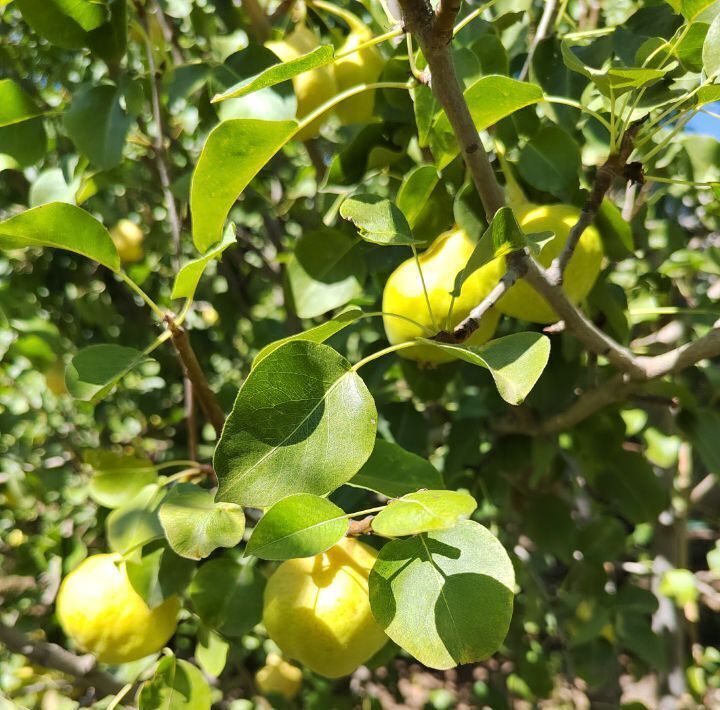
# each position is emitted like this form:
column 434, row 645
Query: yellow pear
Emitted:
column 100, row 611
column 312, row 88
column 279, row 677
column 317, row 609
column 128, row 239
column 362, row 67
column 522, row 301
column 440, row 263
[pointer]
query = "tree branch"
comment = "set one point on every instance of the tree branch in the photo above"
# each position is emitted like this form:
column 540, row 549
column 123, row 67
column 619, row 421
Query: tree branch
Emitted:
column 50, row 655
column 615, row 166
column 547, row 20
column 430, row 30
column 205, row 396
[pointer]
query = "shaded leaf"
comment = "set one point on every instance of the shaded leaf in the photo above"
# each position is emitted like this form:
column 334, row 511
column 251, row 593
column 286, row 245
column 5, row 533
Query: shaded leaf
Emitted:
column 418, row 185
column 136, row 522
column 159, row 573
column 15, row 104
column 118, row 478
column 393, row 472
column 176, row 684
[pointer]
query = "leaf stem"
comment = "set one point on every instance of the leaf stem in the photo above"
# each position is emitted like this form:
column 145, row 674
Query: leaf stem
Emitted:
column 471, row 16
column 154, row 306
column 576, row 104
column 428, row 331
column 365, row 512
column 381, row 353
column 314, row 115
column 424, row 287
column 370, row 43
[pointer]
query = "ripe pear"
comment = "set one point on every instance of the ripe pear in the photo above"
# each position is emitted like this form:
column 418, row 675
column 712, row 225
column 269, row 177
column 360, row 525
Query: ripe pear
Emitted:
column 128, row 239
column 317, row 609
column 100, row 611
column 440, row 263
column 312, row 88
column 522, row 301
column 279, row 677
column 362, row 67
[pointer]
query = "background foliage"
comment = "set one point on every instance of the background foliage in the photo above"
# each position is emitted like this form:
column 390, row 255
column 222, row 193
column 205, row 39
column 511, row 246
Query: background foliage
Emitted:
column 611, row 524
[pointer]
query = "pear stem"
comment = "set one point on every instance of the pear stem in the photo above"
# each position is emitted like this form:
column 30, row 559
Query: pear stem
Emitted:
column 424, row 287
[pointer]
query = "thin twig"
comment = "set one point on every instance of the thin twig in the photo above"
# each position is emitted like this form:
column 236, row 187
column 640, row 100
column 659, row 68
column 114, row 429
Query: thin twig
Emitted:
column 544, row 29
column 258, row 19
column 615, row 166
column 50, row 655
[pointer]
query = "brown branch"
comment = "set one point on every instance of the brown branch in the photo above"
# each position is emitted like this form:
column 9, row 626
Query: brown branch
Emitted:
column 615, row 166
column 445, row 16
column 430, row 31
column 205, row 396
column 360, row 527
column 261, row 26
column 50, row 655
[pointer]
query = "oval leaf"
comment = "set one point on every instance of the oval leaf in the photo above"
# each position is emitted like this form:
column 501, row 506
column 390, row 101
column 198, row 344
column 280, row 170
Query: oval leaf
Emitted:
column 233, row 154
column 195, row 524
column 515, row 361
column 303, row 422
column 393, row 472
column 62, row 226
column 302, row 525
column 135, row 523
column 446, row 597
column 378, row 220
column 423, row 511
column 118, row 478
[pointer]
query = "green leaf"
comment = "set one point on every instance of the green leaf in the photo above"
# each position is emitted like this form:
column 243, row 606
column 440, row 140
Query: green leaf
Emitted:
column 228, row 597
column 378, row 220
column 393, row 472
column 423, row 511
column 446, row 597
column 490, row 99
column 280, row 72
column 15, row 104
column 98, row 124
column 63, row 22
column 136, row 522
column 22, row 144
column 159, row 573
column 118, row 478
column 615, row 232
column 707, row 95
column 415, row 191
column 711, row 49
column 502, row 237
column 515, row 361
column 232, row 156
column 95, row 370
column 300, row 525
column 195, row 525
column 188, row 278
column 177, row 684
column 301, row 410
column 694, row 9
column 325, row 272
column 318, row 334
column 550, row 161
column 62, row 226
column 211, row 652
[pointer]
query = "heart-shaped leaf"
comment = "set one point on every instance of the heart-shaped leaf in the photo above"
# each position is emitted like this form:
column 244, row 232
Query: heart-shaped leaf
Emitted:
column 423, row 511
column 62, row 226
column 303, row 422
column 515, row 361
column 392, row 471
column 446, row 597
column 378, row 220
column 301, row 525
column 195, row 525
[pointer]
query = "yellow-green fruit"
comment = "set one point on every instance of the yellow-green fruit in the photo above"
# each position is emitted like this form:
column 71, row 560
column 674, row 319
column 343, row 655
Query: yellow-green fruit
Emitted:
column 317, row 609
column 312, row 88
column 101, row 612
column 363, row 67
column 522, row 301
column 440, row 263
column 128, row 239
column 279, row 676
